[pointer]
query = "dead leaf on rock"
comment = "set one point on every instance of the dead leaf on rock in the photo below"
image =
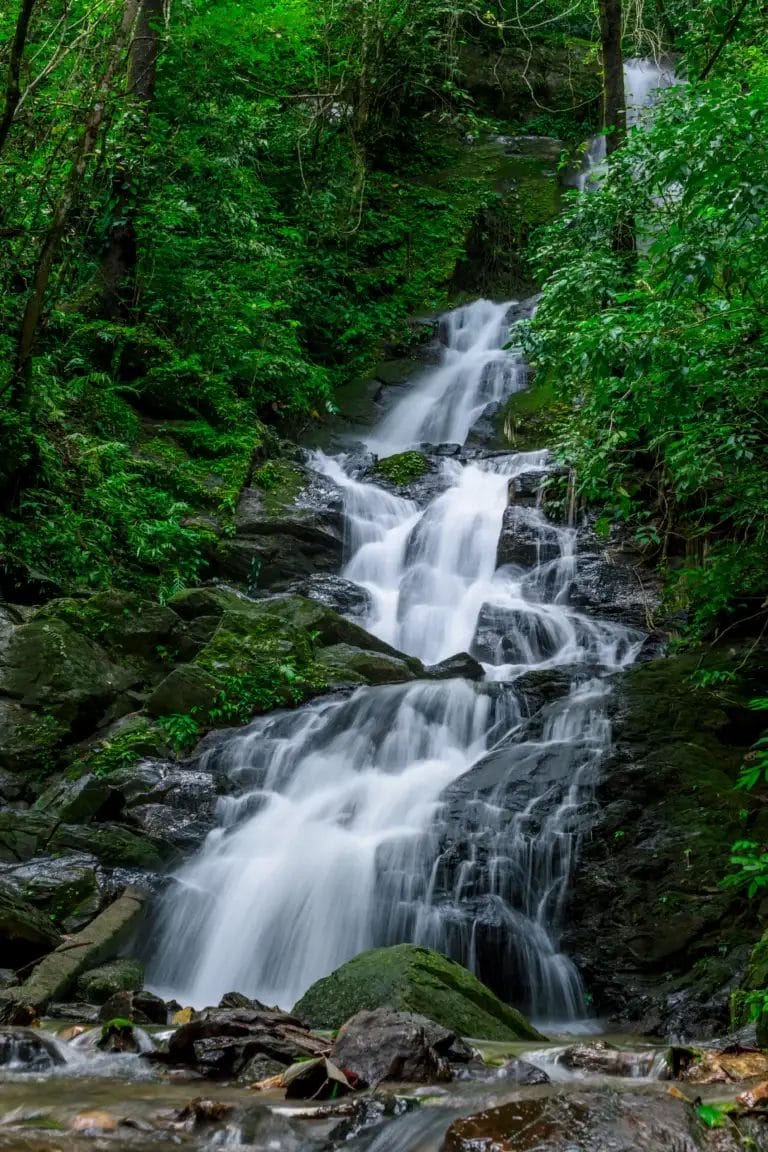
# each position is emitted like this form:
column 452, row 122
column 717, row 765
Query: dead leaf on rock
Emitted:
column 755, row 1096
column 726, row 1067
column 183, row 1016
column 94, row 1121
column 269, row 1084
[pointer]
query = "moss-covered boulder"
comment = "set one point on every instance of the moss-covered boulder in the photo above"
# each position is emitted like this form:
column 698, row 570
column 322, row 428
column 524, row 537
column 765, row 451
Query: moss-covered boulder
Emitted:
column 50, row 667
column 97, row 985
column 403, row 468
column 408, row 978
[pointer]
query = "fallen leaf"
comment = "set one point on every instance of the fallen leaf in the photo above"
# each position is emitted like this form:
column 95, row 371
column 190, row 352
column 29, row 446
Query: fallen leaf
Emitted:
column 754, row 1096
column 94, row 1121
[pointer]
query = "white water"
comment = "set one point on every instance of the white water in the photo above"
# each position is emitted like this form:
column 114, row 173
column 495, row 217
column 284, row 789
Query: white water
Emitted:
column 644, row 79
column 340, row 840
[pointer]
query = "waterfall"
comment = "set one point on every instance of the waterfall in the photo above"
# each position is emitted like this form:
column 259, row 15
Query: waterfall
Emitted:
column 644, row 79
column 351, row 811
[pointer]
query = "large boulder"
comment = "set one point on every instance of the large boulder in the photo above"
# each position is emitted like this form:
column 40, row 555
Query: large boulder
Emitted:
column 50, row 667
column 408, row 978
column 384, row 1045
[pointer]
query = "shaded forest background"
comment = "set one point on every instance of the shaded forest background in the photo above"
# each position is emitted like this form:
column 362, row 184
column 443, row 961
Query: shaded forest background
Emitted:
column 215, row 214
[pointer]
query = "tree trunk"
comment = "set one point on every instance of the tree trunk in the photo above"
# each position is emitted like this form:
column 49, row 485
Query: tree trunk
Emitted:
column 614, row 113
column 120, row 258
column 13, row 87
column 731, row 27
column 34, row 307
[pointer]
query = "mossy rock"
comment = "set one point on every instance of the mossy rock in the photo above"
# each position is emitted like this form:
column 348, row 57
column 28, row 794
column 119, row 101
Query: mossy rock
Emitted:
column 112, row 844
column 530, row 417
column 97, row 985
column 403, row 468
column 408, row 978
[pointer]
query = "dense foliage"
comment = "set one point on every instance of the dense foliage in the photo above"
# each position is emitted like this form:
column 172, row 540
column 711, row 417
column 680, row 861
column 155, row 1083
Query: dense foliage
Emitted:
column 653, row 325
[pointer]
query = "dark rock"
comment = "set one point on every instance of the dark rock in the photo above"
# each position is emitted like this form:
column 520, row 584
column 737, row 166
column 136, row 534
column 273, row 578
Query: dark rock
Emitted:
column 509, row 1072
column 66, row 888
column 223, row 1042
column 187, row 689
column 26, row 1050
column 461, row 666
column 50, row 667
column 8, row 978
column 660, row 943
column 525, row 540
column 350, row 665
column 80, row 1013
column 97, row 985
column 592, row 1121
column 407, row 978
column 385, row 1045
column 22, row 741
column 25, row 932
column 23, row 834
column 75, row 801
column 335, row 592
column 113, row 844
column 138, row 1006
column 611, row 586
column 525, row 488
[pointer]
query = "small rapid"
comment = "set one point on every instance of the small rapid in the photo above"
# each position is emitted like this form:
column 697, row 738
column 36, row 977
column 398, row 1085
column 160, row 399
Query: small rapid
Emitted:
column 350, row 812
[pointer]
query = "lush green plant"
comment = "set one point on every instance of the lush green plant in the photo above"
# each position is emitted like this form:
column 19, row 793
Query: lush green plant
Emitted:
column 751, row 861
column 182, row 731
column 660, row 348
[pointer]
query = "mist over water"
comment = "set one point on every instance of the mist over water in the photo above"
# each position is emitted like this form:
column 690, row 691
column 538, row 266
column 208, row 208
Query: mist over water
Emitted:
column 344, row 835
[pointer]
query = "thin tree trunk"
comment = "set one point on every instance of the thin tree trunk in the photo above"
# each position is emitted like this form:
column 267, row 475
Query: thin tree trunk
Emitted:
column 731, row 27
column 13, row 87
column 120, row 259
column 614, row 113
column 34, row 307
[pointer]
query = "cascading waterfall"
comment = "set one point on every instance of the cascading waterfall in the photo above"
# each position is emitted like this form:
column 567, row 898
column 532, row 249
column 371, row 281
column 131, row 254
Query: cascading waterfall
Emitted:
column 339, row 840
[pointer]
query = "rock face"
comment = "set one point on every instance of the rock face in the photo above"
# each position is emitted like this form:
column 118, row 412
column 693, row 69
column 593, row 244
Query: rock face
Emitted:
column 407, row 978
column 97, row 985
column 661, row 944
column 25, row 933
column 388, row 1046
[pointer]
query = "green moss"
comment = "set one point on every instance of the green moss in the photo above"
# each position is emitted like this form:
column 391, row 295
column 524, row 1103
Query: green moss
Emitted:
column 529, row 418
column 413, row 979
column 403, row 468
column 281, row 482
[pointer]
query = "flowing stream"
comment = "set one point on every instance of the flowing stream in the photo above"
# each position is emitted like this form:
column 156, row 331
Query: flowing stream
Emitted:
column 345, row 833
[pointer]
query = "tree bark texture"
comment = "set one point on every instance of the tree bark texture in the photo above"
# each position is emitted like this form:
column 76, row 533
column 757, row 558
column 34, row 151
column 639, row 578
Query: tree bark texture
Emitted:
column 614, row 104
column 13, row 86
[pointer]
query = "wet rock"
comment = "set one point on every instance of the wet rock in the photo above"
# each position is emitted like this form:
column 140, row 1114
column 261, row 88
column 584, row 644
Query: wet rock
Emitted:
column 609, row 585
column 525, row 487
column 118, row 1035
column 113, row 844
column 407, row 978
column 25, row 932
column 507, row 1072
column 461, row 666
column 97, row 985
column 590, row 1122
column 515, row 636
column 27, row 1050
column 76, row 801
column 603, row 1059
column 335, row 592
column 525, row 540
column 223, row 1042
column 66, row 888
column 394, row 1046
column 8, row 978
